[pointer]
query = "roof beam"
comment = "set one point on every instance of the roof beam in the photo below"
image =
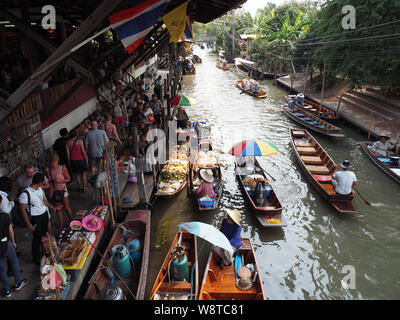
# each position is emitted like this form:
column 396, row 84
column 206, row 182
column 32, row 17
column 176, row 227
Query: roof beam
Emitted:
column 86, row 29
column 42, row 41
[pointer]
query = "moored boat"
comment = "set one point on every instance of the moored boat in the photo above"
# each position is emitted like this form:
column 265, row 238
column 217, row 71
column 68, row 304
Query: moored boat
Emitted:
column 178, row 276
column 390, row 165
column 224, row 284
column 136, row 227
column 269, row 213
column 318, row 168
column 205, row 162
column 315, row 109
column 261, row 95
column 221, row 66
column 314, row 123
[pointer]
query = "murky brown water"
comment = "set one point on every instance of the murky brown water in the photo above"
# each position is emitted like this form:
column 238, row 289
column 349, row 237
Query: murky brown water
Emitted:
column 305, row 259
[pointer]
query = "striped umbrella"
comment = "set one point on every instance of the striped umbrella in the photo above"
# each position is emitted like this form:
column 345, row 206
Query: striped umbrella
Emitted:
column 183, row 101
column 254, row 147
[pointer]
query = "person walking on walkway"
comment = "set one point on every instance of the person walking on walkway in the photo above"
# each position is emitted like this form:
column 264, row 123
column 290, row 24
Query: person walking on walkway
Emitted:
column 34, row 201
column 7, row 251
column 58, row 193
column 5, row 191
column 96, row 141
column 119, row 116
column 111, row 130
column 77, row 160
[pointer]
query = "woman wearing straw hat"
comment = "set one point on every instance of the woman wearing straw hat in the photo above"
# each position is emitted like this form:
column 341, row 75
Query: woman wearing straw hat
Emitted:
column 231, row 229
column 206, row 187
column 345, row 180
column 382, row 146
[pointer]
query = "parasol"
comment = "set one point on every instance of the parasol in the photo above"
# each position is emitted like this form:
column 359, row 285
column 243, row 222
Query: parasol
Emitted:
column 182, row 101
column 254, row 147
column 209, row 233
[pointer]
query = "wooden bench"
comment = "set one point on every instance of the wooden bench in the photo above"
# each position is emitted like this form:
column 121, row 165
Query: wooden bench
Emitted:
column 306, row 150
column 311, row 159
column 317, row 169
column 328, row 188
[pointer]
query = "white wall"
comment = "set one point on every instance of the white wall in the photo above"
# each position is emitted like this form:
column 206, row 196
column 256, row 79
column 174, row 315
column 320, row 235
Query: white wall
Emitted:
column 70, row 121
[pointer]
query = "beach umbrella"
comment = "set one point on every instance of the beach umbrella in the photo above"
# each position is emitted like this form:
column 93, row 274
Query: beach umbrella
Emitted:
column 254, row 147
column 209, row 233
column 182, row 101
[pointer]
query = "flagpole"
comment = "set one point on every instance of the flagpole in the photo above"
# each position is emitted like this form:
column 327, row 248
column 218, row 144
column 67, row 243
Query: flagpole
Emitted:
column 65, row 55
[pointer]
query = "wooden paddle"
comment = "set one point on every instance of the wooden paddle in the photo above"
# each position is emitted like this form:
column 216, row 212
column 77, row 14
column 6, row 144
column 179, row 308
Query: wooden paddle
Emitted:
column 365, row 200
column 267, row 174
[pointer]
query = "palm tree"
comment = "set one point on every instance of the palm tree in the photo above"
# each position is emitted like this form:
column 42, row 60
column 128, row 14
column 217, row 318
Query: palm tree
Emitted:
column 285, row 37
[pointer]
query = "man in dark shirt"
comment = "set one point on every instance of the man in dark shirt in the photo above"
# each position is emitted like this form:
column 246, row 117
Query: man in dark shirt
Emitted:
column 59, row 146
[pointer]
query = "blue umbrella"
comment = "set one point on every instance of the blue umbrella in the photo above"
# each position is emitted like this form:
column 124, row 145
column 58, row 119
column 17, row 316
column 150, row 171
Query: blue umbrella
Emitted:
column 209, row 233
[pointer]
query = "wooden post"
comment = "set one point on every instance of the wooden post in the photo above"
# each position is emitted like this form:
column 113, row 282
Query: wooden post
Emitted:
column 139, row 167
column 370, row 125
column 322, row 91
column 275, row 65
column 305, row 80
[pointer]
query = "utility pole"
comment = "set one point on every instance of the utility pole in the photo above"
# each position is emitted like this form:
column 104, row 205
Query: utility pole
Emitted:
column 233, row 33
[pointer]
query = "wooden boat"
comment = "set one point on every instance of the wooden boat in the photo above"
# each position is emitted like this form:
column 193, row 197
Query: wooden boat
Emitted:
column 387, row 164
column 318, row 168
column 220, row 284
column 194, row 175
column 272, row 208
column 311, row 122
column 221, row 66
column 182, row 290
column 260, row 95
column 314, row 108
column 171, row 194
column 137, row 223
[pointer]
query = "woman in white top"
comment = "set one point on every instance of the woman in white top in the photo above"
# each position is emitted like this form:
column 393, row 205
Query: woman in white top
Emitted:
column 37, row 206
column 382, row 146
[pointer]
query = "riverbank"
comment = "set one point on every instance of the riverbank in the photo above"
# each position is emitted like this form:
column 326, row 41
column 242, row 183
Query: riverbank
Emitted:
column 367, row 110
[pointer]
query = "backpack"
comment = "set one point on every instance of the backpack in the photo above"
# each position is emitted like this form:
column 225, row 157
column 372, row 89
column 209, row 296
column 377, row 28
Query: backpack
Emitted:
column 16, row 216
column 3, row 237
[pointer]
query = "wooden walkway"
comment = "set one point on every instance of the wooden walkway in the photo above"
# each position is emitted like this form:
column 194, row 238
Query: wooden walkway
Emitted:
column 131, row 192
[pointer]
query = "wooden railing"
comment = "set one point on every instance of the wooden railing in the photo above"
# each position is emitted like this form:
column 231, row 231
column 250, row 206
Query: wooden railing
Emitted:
column 28, row 107
column 50, row 96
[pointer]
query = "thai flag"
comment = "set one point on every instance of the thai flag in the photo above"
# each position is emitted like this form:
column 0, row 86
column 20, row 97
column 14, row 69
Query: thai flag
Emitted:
column 132, row 25
column 188, row 33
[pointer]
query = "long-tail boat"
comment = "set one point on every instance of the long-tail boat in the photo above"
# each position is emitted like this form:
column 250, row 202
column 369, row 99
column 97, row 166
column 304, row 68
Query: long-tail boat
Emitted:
column 315, row 109
column 165, row 287
column 222, row 284
column 319, row 168
column 221, row 66
column 270, row 213
column 389, row 164
column 314, row 123
column 135, row 227
column 194, row 179
column 261, row 95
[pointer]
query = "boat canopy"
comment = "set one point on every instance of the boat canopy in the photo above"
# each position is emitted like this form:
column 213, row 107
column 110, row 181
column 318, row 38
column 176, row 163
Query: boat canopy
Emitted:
column 243, row 61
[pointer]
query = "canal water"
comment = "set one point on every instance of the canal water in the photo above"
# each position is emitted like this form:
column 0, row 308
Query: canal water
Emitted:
column 315, row 255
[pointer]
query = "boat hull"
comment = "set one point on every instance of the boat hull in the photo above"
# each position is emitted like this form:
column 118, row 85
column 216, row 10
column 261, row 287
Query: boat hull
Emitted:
column 261, row 95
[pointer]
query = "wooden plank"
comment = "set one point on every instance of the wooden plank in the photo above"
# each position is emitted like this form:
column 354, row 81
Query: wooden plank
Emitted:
column 306, row 150
column 317, row 169
column 311, row 159
column 328, row 187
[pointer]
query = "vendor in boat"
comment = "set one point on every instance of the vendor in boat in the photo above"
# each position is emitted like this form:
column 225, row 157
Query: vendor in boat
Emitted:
column 182, row 118
column 292, row 104
column 231, row 229
column 344, row 181
column 382, row 146
column 300, row 99
column 206, row 187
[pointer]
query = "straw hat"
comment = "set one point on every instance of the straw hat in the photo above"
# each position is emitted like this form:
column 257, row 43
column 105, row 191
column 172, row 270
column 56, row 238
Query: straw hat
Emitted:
column 244, row 279
column 235, row 215
column 346, row 164
column 207, row 175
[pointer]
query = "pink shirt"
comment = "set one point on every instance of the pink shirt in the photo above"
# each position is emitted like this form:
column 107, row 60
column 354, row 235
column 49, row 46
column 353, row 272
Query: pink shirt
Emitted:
column 206, row 189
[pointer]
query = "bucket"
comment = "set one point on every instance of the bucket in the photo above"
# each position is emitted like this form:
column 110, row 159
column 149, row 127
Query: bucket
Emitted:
column 134, row 249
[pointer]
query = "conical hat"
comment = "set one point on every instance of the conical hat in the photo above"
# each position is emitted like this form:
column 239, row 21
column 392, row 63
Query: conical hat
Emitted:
column 235, row 215
column 207, row 175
